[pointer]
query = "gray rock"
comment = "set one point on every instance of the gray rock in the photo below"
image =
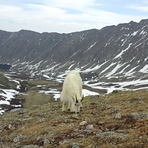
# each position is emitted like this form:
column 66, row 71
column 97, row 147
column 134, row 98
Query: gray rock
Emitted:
column 75, row 145
column 63, row 142
column 138, row 115
column 30, row 146
column 83, row 123
column 89, row 127
column 110, row 134
column 18, row 138
column 115, row 110
column 38, row 138
column 118, row 115
column 100, row 123
column 75, row 116
column 135, row 115
column 47, row 141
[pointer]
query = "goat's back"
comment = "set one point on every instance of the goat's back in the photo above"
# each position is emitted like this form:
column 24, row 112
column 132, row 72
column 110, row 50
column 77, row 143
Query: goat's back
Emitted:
column 73, row 83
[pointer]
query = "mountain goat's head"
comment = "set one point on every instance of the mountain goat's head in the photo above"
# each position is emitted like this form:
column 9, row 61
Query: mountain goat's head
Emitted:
column 78, row 104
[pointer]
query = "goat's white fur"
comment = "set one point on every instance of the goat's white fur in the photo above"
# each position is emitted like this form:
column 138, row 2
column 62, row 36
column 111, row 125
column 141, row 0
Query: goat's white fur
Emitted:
column 72, row 92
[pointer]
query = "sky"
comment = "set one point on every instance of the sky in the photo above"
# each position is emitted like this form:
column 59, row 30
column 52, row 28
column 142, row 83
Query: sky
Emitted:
column 66, row 16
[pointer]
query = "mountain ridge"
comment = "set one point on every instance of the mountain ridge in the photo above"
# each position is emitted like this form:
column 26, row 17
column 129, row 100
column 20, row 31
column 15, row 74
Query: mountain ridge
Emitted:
column 112, row 51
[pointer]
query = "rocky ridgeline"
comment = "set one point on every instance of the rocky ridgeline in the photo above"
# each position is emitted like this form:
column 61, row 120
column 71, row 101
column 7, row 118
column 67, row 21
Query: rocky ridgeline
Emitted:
column 113, row 51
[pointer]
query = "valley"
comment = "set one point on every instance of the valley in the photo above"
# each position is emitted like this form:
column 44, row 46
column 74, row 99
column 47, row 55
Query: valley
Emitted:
column 113, row 64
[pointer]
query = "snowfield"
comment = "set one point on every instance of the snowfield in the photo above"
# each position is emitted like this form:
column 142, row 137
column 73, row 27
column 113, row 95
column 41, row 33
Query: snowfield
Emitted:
column 6, row 96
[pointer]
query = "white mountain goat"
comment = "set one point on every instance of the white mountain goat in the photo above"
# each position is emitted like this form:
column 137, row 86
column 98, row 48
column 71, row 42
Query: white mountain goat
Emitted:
column 72, row 92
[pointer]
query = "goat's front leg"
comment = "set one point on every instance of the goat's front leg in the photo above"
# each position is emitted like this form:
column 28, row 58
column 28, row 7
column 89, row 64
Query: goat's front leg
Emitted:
column 63, row 107
column 69, row 105
column 72, row 107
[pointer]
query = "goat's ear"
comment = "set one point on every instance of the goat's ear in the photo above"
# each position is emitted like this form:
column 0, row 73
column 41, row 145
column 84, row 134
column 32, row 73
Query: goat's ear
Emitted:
column 82, row 98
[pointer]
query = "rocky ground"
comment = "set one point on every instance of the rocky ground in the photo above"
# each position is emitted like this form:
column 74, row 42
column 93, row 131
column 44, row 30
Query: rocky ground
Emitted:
column 119, row 119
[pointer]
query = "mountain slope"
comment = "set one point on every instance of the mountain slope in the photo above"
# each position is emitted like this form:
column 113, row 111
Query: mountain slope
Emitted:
column 115, row 120
column 112, row 51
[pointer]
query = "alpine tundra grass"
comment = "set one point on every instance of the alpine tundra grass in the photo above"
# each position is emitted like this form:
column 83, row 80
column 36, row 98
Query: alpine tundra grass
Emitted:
column 119, row 119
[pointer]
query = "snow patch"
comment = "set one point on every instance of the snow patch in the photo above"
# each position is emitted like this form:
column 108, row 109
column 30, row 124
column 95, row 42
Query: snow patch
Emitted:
column 7, row 95
column 86, row 92
column 114, row 70
column 107, row 67
column 134, row 33
column 144, row 69
column 122, row 52
column 91, row 46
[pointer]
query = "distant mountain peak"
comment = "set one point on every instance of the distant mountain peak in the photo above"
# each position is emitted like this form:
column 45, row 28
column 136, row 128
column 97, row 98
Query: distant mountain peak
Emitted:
column 113, row 51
